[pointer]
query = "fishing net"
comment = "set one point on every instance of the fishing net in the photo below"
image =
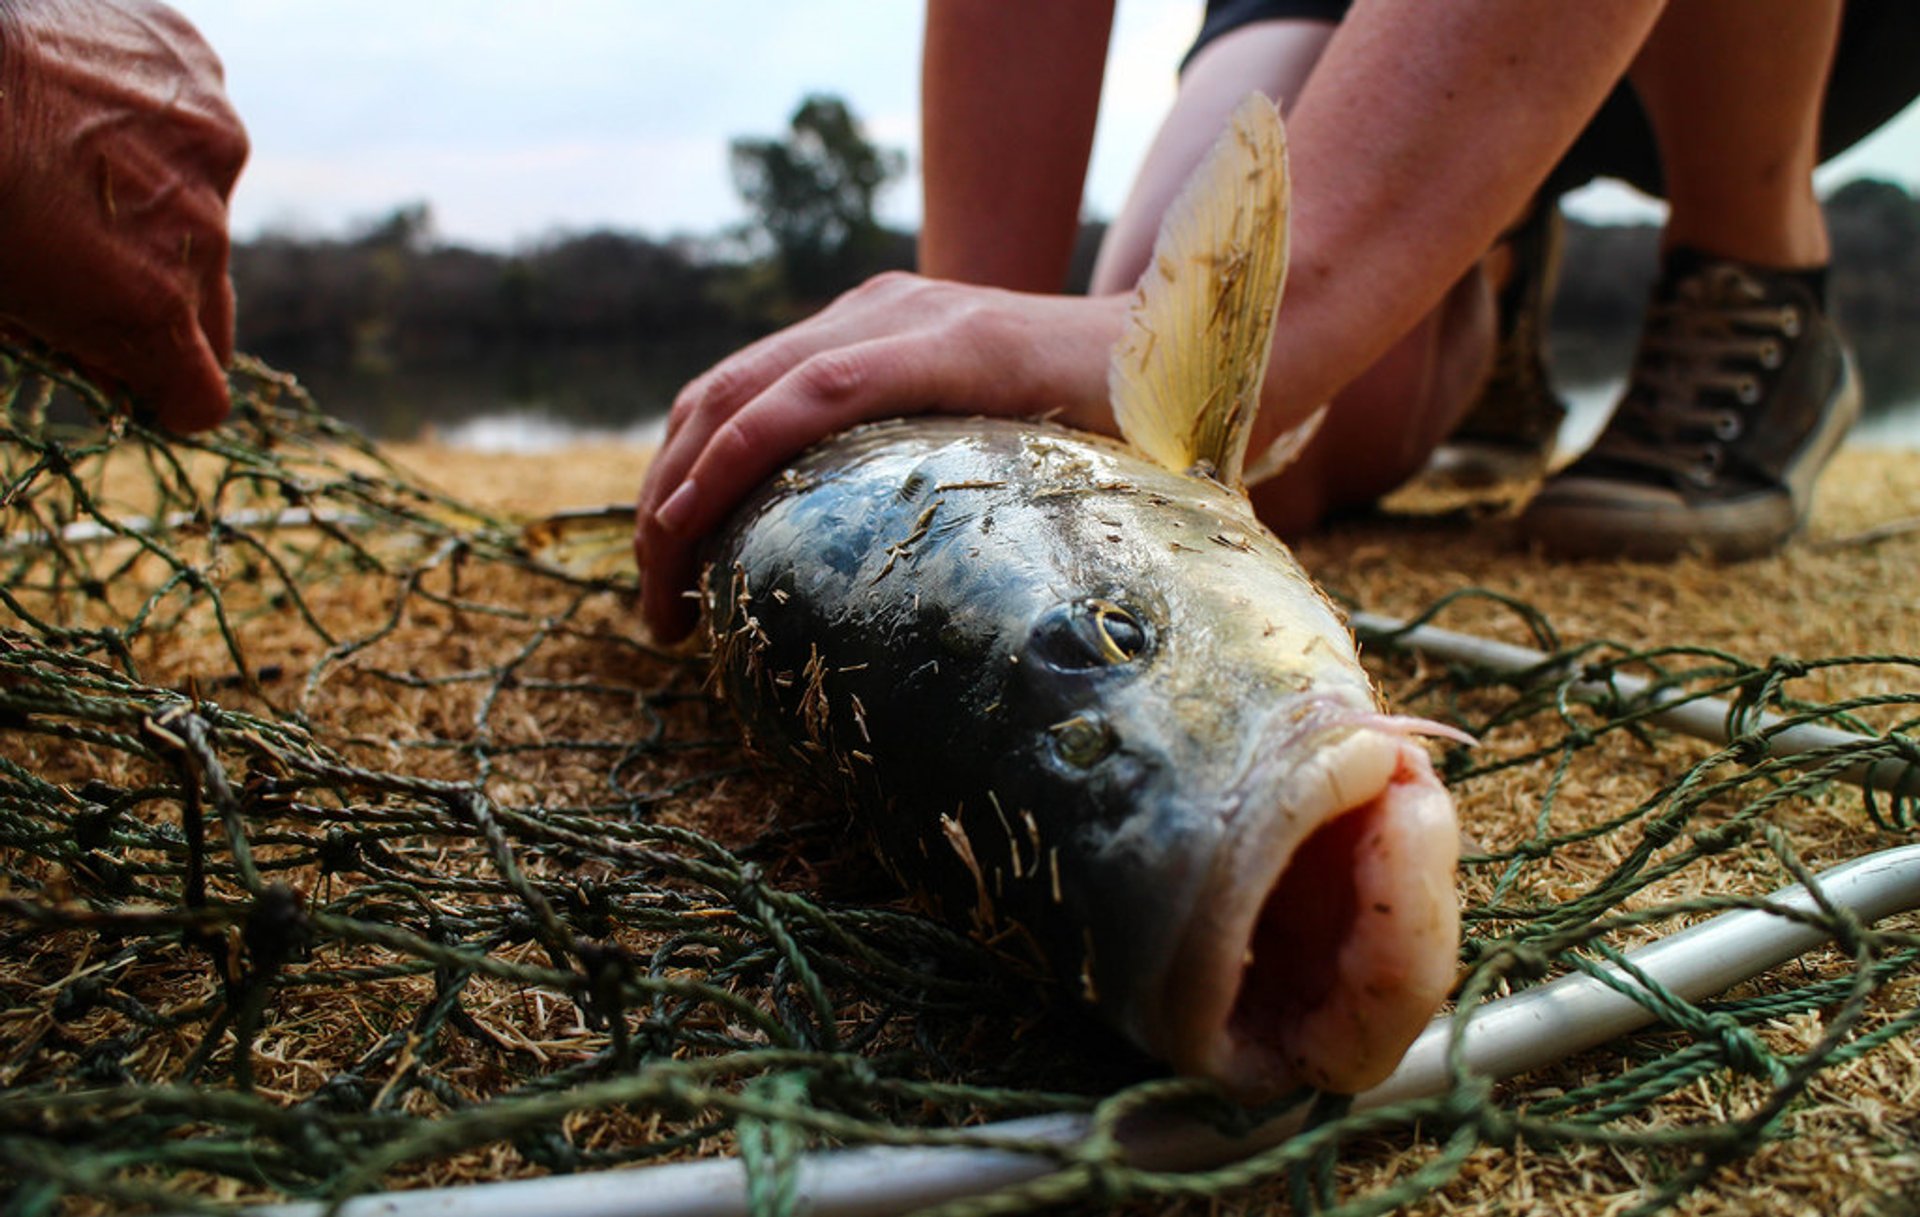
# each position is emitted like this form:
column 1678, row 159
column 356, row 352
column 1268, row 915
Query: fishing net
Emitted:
column 350, row 842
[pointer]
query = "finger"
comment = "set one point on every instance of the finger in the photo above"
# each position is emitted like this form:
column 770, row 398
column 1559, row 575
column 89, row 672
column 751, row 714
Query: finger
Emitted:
column 667, row 608
column 714, row 396
column 709, row 400
column 216, row 312
column 707, row 403
column 832, row 391
column 663, row 561
column 890, row 302
column 742, row 375
column 177, row 370
column 166, row 368
column 187, row 392
column 666, row 562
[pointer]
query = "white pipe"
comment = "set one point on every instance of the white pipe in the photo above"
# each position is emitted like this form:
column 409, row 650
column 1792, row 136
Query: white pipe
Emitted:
column 1501, row 1039
column 1703, row 717
column 83, row 532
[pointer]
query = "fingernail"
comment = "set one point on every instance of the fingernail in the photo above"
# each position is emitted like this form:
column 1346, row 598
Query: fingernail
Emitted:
column 672, row 514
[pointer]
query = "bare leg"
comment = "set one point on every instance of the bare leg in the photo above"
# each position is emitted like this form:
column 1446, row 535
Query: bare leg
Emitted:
column 1009, row 94
column 1733, row 88
column 1274, row 57
column 1383, row 426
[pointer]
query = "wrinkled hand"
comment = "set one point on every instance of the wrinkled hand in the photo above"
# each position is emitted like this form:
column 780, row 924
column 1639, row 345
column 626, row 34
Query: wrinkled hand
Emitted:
column 897, row 345
column 118, row 151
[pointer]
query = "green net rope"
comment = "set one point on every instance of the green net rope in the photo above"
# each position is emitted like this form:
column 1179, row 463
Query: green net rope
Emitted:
column 348, row 843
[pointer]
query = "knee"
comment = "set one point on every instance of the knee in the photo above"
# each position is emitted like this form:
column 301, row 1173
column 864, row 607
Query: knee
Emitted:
column 1383, row 427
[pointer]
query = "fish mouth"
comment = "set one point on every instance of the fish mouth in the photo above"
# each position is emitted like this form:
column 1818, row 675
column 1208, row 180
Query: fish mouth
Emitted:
column 1329, row 932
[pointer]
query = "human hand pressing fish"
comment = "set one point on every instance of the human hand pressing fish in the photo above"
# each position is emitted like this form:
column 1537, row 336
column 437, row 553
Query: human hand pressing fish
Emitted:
column 1087, row 703
column 899, row 344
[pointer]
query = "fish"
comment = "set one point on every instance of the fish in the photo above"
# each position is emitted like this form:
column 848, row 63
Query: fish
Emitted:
column 1091, row 710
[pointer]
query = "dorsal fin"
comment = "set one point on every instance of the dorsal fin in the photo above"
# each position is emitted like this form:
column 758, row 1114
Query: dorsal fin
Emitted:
column 1185, row 377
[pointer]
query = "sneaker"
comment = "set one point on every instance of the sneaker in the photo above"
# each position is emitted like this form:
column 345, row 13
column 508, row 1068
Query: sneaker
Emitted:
column 1741, row 391
column 1508, row 436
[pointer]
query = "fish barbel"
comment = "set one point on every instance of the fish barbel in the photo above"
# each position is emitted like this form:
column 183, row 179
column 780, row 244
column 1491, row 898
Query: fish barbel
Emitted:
column 1086, row 702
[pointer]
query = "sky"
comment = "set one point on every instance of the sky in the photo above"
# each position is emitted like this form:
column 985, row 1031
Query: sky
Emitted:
column 518, row 121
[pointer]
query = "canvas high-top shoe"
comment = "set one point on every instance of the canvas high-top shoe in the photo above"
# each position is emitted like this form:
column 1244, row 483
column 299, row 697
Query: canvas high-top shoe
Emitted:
column 1508, row 436
column 1741, row 391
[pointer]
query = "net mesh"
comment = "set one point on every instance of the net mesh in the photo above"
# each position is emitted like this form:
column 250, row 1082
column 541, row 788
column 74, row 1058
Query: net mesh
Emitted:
column 349, row 842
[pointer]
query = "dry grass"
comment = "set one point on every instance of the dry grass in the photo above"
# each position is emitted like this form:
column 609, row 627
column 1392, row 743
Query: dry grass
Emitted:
column 1846, row 587
column 1852, row 1147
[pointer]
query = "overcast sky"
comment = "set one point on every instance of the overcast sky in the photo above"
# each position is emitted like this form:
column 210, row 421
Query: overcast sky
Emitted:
column 515, row 120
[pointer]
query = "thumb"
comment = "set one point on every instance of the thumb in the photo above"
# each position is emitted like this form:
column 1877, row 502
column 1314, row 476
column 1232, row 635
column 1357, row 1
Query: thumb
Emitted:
column 187, row 389
column 184, row 390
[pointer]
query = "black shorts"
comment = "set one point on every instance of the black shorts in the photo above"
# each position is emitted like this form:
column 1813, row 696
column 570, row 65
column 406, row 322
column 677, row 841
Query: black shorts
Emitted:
column 1876, row 73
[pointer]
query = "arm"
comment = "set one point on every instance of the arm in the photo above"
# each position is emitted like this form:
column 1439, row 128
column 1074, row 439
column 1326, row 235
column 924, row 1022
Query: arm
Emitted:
column 1461, row 110
column 118, row 150
column 1009, row 95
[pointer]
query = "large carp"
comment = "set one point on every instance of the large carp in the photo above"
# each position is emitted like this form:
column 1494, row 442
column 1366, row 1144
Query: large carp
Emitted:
column 1087, row 703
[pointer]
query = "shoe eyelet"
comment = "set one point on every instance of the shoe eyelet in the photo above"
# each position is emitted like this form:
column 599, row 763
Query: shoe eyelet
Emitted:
column 1772, row 354
column 1728, row 425
column 1748, row 392
column 1706, row 467
column 1790, row 321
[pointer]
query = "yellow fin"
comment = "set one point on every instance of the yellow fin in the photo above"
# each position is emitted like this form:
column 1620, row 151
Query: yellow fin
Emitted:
column 1185, row 377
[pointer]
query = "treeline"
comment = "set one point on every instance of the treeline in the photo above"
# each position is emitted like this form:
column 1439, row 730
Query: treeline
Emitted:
column 392, row 295
column 391, row 298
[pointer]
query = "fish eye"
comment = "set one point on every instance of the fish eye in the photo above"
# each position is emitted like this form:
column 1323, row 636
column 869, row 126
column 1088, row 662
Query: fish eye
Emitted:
column 1082, row 740
column 1090, row 633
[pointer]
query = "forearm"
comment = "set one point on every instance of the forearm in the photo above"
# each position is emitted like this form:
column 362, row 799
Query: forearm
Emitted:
column 1010, row 94
column 1421, row 135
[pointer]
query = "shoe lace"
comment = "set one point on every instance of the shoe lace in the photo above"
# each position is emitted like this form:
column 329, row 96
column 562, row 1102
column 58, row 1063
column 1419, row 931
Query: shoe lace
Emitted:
column 1705, row 359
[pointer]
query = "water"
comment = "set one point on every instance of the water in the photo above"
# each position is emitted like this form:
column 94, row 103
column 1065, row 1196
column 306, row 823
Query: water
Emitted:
column 533, row 431
column 518, row 400
column 519, row 403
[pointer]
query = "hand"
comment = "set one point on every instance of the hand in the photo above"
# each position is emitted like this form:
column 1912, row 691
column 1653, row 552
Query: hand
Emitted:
column 118, row 152
column 899, row 344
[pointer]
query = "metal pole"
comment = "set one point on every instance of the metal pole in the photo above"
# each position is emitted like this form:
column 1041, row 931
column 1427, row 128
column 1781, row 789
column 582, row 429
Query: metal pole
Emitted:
column 1703, row 717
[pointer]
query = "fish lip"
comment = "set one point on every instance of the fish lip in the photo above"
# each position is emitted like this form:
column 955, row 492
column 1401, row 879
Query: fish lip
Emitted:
column 1317, row 761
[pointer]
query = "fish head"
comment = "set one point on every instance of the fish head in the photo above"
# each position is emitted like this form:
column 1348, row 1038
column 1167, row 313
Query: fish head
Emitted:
column 1259, row 859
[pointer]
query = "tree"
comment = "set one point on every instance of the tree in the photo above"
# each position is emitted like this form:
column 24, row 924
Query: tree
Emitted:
column 408, row 228
column 813, row 194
